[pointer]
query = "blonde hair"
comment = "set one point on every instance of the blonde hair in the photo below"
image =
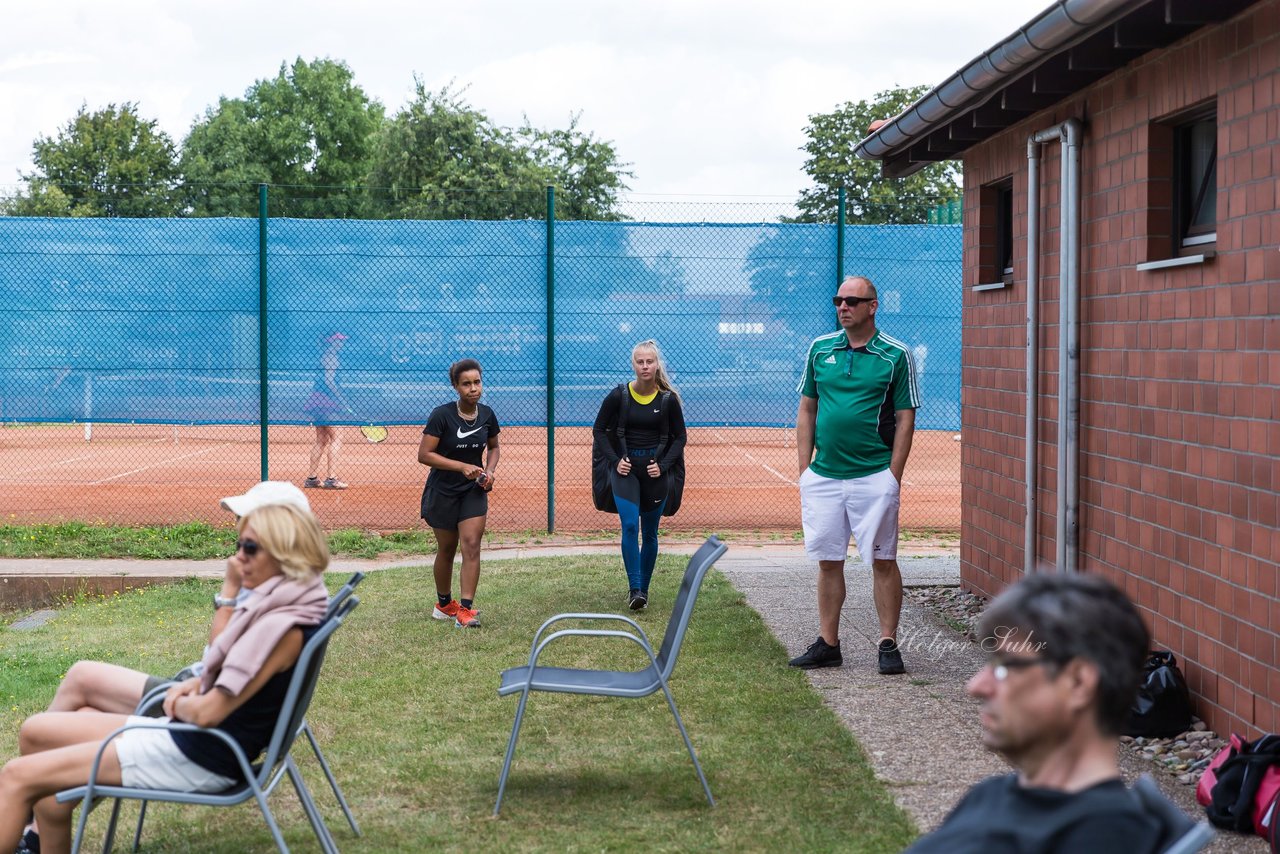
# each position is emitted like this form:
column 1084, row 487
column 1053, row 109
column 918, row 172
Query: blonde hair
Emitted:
column 660, row 375
column 292, row 536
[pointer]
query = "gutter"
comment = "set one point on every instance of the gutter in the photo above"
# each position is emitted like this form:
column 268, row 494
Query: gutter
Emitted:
column 1064, row 23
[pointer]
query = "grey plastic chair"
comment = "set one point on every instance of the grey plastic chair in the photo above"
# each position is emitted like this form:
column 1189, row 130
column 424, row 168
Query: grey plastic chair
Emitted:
column 612, row 683
column 259, row 779
column 1182, row 835
column 156, row 696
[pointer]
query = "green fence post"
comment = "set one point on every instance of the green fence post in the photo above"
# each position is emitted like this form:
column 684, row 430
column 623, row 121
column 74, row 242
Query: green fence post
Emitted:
column 839, row 237
column 551, row 358
column 262, row 327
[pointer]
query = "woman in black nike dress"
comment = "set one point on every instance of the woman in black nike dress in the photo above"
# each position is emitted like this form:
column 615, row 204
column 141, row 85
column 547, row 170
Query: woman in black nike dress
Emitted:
column 460, row 444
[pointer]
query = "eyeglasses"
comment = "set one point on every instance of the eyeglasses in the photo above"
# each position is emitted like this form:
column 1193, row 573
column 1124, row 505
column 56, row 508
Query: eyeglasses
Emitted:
column 249, row 547
column 1002, row 667
column 852, row 302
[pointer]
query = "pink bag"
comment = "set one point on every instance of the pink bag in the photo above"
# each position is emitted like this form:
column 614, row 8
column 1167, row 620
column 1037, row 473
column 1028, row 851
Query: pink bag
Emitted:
column 1240, row 790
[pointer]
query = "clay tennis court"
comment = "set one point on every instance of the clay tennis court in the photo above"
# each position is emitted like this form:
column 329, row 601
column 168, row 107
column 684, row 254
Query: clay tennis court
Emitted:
column 739, row 479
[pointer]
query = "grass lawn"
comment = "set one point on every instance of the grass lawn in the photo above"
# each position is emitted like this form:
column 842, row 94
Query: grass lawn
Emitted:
column 199, row 540
column 407, row 712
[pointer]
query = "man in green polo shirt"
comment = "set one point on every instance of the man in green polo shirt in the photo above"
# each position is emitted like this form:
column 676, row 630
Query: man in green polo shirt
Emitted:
column 858, row 401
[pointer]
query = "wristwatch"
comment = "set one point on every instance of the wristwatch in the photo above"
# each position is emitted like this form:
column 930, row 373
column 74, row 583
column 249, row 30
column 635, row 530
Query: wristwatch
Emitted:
column 223, row 602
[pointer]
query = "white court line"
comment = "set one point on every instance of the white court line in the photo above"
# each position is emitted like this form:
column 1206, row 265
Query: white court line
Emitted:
column 63, row 462
column 770, row 469
column 162, row 463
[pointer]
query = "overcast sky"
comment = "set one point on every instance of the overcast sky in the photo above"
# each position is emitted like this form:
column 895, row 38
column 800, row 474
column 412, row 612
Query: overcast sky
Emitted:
column 702, row 97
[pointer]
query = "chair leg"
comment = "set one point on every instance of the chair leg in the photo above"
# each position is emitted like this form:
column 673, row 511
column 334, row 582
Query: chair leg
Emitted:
column 142, row 816
column 333, row 783
column 271, row 821
column 309, row 806
column 110, row 839
column 76, row 841
column 687, row 743
column 511, row 749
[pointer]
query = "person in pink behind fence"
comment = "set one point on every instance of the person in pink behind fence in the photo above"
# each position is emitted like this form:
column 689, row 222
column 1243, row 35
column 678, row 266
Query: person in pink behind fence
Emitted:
column 326, row 404
column 280, row 556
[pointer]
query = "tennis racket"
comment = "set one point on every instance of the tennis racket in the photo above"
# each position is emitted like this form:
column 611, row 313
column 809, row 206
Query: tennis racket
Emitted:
column 372, row 433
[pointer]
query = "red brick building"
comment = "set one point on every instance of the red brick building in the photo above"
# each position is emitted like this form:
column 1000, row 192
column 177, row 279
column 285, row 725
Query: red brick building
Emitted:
column 1153, row 255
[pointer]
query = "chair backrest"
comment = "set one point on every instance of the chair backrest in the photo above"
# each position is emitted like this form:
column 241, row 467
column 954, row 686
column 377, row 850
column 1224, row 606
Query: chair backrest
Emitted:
column 1180, row 834
column 706, row 555
column 302, row 685
column 343, row 592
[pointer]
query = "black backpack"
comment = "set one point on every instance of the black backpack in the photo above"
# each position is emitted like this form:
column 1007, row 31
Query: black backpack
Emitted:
column 602, row 487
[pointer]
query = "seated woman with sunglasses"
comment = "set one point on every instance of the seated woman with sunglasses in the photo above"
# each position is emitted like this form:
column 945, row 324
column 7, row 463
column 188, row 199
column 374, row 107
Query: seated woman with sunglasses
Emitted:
column 280, row 556
column 99, row 686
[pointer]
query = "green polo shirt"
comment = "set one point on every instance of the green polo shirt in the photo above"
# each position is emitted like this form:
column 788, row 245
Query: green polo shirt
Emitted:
column 858, row 391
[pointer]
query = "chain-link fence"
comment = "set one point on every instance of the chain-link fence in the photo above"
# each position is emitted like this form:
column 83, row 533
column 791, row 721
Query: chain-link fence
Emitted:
column 137, row 355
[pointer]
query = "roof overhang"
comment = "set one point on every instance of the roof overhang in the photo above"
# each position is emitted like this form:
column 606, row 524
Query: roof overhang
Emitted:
column 1062, row 50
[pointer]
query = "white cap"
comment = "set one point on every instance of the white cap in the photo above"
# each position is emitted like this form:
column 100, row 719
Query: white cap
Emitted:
column 265, row 493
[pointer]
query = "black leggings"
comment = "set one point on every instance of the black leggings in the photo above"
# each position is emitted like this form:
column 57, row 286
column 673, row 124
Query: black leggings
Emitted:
column 640, row 499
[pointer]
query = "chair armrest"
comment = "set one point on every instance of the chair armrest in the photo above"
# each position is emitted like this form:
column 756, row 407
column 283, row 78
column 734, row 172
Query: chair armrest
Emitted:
column 643, row 643
column 74, row 794
column 582, row 616
column 1193, row 840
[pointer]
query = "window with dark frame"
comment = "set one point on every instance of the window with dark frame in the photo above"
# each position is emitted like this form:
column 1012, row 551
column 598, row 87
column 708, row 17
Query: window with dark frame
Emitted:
column 1004, row 230
column 1195, row 180
column 995, row 234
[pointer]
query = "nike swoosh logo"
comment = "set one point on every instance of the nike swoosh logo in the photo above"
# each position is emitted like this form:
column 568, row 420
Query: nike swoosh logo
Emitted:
column 462, row 435
column 657, row 411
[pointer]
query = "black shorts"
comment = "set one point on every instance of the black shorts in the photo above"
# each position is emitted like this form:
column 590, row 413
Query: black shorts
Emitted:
column 152, row 683
column 645, row 492
column 445, row 511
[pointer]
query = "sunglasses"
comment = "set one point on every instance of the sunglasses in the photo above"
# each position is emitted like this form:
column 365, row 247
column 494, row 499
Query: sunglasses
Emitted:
column 852, row 302
column 1002, row 667
column 249, row 547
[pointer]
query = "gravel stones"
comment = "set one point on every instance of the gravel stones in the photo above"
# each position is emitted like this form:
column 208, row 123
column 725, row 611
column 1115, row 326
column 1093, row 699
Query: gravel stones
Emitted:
column 1183, row 756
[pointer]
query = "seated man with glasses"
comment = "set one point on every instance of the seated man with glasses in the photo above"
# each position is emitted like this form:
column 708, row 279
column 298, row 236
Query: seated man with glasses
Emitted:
column 1066, row 656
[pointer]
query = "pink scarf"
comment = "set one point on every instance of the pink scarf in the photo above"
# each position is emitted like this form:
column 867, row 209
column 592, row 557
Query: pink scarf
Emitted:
column 256, row 627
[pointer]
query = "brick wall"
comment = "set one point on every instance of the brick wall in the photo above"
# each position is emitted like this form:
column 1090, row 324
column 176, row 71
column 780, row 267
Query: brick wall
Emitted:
column 1179, row 371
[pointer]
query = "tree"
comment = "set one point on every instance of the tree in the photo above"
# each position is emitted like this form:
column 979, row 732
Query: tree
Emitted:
column 440, row 158
column 310, row 130
column 110, row 162
column 587, row 173
column 869, row 198
column 40, row 199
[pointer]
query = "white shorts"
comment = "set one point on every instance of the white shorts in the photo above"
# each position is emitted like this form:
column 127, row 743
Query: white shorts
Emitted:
column 150, row 759
column 866, row 507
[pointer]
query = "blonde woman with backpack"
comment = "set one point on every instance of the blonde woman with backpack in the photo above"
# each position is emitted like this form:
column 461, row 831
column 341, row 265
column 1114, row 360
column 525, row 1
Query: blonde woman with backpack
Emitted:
column 640, row 432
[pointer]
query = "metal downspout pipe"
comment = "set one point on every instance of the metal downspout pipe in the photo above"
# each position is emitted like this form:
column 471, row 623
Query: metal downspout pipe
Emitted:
column 1067, row 515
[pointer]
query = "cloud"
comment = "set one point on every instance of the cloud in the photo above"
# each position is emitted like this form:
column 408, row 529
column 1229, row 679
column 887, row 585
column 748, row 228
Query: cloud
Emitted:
column 702, row 97
column 40, row 59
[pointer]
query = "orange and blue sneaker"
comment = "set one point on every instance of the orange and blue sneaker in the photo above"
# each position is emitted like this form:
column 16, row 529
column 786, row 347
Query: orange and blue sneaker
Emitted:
column 448, row 612
column 466, row 618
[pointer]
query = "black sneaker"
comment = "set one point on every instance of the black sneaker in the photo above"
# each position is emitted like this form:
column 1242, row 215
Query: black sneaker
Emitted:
column 638, row 600
column 29, row 844
column 819, row 654
column 891, row 658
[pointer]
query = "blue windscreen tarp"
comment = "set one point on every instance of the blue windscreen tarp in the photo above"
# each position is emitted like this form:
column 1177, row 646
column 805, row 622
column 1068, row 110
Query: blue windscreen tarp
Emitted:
column 116, row 320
